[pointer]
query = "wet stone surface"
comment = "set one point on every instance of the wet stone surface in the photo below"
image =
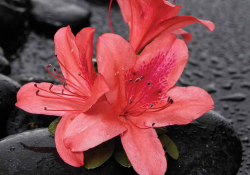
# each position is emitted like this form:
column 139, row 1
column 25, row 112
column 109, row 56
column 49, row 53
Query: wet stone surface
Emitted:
column 8, row 91
column 34, row 152
column 19, row 121
column 207, row 146
column 60, row 13
column 205, row 153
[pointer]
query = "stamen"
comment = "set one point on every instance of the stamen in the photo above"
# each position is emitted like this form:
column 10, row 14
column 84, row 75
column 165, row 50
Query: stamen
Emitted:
column 69, row 83
column 111, row 28
column 146, row 127
column 83, row 86
column 142, row 96
column 76, row 99
column 75, row 94
column 46, row 109
column 131, row 80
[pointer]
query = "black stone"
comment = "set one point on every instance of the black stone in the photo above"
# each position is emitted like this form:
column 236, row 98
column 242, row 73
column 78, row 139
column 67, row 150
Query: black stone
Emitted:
column 13, row 15
column 20, row 121
column 8, row 91
column 34, row 152
column 52, row 15
column 4, row 64
column 206, row 146
column 201, row 146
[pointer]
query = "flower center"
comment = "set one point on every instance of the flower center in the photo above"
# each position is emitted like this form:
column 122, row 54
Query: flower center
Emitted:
column 146, row 85
column 142, row 96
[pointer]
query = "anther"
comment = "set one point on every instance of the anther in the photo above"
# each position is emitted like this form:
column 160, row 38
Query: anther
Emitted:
column 153, row 124
column 37, row 91
column 171, row 101
column 35, row 85
column 45, row 108
column 55, row 54
column 50, row 87
column 142, row 77
column 151, row 105
column 148, row 83
column 55, row 69
column 130, row 80
column 79, row 73
column 138, row 79
column 130, row 102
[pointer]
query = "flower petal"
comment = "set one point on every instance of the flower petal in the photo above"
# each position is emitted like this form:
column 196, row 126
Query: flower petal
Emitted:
column 28, row 100
column 189, row 104
column 170, row 25
column 71, row 158
column 144, row 150
column 163, row 61
column 114, row 57
column 187, row 36
column 92, row 128
column 68, row 57
column 182, row 21
column 151, row 18
column 84, row 42
column 146, row 14
column 100, row 87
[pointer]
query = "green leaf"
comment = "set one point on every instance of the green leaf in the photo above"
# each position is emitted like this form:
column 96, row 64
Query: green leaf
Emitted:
column 161, row 130
column 53, row 125
column 120, row 155
column 96, row 156
column 95, row 64
column 170, row 146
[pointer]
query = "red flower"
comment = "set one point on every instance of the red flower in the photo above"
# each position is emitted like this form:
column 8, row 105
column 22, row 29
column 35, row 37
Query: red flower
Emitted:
column 80, row 90
column 142, row 96
column 149, row 18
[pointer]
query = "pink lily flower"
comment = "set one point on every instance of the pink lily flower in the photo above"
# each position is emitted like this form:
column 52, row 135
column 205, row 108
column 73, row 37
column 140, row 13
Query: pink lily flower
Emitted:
column 80, row 90
column 147, row 19
column 142, row 96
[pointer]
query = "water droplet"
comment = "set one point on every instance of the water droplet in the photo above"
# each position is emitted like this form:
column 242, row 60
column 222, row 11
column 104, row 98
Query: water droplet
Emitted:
column 12, row 148
column 234, row 97
column 210, row 88
column 245, row 84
